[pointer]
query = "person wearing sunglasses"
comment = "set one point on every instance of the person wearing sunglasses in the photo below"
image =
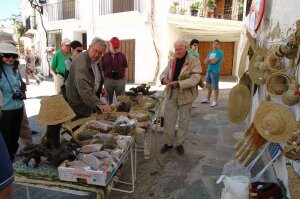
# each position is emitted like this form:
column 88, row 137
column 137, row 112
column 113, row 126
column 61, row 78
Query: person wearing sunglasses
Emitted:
column 194, row 44
column 13, row 96
column 76, row 48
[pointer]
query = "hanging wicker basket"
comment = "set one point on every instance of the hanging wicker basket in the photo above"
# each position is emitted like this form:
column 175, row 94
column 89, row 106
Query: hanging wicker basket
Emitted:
column 288, row 97
column 278, row 83
column 274, row 63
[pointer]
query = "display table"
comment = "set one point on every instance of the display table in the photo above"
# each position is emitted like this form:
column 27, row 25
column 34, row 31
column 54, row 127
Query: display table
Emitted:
column 79, row 188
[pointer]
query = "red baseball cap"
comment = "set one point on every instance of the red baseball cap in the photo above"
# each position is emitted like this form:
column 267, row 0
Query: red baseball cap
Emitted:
column 115, row 42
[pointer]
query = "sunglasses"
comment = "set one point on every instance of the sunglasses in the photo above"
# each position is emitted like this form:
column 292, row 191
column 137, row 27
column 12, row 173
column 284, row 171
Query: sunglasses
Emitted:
column 9, row 55
column 195, row 44
column 79, row 51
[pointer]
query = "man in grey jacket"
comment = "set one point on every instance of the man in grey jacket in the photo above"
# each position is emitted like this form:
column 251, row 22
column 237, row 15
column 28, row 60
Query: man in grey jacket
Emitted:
column 85, row 82
column 181, row 76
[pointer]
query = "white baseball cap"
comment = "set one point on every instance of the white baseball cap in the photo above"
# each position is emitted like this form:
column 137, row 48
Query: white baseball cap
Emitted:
column 66, row 41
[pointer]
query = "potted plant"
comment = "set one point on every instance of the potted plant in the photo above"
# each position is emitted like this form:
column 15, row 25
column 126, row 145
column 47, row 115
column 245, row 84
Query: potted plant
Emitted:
column 211, row 4
column 194, row 8
column 182, row 11
column 173, row 8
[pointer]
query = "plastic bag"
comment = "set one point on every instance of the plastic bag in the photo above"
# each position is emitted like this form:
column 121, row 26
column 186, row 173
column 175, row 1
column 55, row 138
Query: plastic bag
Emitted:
column 236, row 179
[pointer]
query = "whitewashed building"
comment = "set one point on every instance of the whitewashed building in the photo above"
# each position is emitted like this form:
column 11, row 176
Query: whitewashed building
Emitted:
column 147, row 29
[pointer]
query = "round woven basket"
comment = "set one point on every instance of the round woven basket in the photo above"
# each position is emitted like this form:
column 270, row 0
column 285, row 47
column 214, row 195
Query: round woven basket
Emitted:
column 274, row 63
column 278, row 83
column 288, row 97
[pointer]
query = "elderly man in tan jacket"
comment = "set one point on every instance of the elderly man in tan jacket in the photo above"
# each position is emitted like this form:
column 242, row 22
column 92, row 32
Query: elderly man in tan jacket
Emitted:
column 181, row 77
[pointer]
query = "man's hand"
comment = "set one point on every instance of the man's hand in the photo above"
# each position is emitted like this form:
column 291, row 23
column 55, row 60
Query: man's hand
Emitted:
column 104, row 92
column 174, row 84
column 165, row 81
column 104, row 108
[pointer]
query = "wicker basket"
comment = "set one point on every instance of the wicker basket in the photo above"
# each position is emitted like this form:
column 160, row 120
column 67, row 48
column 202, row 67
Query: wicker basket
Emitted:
column 139, row 115
column 80, row 131
column 278, row 83
column 274, row 63
column 294, row 183
column 289, row 98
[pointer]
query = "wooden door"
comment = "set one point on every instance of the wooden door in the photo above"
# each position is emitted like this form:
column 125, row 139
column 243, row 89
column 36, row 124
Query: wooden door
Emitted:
column 228, row 50
column 128, row 48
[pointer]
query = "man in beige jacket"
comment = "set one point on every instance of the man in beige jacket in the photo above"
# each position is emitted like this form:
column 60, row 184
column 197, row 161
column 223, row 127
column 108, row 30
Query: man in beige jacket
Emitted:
column 181, row 76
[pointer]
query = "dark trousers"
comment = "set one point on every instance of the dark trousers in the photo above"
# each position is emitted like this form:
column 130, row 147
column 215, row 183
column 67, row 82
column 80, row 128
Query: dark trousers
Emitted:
column 10, row 125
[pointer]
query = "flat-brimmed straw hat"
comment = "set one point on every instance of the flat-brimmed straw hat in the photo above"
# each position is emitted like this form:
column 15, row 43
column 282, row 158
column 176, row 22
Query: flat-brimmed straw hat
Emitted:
column 238, row 104
column 274, row 122
column 54, row 110
column 257, row 69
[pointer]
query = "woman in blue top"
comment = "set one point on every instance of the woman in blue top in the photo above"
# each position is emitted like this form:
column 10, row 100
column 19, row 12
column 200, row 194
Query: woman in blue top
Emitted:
column 12, row 109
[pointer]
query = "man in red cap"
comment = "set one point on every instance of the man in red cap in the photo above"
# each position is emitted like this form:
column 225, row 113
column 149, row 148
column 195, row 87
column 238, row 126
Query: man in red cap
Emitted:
column 115, row 68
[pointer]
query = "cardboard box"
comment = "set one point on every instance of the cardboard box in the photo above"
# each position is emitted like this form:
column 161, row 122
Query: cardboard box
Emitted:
column 92, row 177
column 101, row 178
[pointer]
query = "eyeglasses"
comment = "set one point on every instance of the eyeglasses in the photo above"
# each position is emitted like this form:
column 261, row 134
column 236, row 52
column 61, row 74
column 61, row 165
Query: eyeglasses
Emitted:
column 79, row 51
column 9, row 55
column 195, row 44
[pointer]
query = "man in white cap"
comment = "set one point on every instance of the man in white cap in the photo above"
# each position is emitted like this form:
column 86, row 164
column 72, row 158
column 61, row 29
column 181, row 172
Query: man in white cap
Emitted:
column 58, row 64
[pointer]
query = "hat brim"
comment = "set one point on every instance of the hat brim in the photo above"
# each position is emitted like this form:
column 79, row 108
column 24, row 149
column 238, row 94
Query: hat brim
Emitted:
column 287, row 119
column 238, row 103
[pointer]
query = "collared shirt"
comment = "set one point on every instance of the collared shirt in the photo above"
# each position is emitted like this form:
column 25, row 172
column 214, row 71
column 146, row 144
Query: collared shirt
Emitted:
column 116, row 63
column 58, row 61
column 97, row 74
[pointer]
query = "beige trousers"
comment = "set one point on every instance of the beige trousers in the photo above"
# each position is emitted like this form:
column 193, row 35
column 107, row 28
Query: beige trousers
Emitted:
column 25, row 138
column 58, row 82
column 172, row 111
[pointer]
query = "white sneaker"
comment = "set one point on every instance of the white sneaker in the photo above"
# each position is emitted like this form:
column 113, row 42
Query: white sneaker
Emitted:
column 205, row 101
column 213, row 104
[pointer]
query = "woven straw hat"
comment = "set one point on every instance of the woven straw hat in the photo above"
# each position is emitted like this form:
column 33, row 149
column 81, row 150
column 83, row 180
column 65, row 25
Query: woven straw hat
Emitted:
column 274, row 122
column 238, row 103
column 257, row 70
column 278, row 83
column 54, row 110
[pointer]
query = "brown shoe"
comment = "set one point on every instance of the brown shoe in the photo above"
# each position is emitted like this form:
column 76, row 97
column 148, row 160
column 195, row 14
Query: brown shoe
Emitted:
column 165, row 148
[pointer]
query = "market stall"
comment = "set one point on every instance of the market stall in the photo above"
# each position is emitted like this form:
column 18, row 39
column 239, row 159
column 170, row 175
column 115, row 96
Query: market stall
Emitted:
column 85, row 155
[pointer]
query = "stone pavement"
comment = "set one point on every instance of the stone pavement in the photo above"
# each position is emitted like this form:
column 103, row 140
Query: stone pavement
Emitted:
column 192, row 176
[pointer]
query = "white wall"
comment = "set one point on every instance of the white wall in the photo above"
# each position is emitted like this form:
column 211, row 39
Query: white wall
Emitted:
column 277, row 25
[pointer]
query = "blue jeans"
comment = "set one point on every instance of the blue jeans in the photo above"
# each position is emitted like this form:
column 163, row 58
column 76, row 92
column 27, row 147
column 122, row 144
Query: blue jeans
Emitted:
column 212, row 79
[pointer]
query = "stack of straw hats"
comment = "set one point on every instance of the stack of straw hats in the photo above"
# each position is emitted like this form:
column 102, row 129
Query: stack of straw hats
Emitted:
column 54, row 110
